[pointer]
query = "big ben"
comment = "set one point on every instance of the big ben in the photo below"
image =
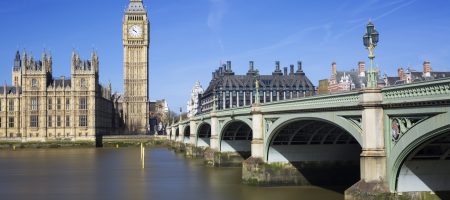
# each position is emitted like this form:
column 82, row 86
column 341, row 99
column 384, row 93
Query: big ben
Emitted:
column 136, row 34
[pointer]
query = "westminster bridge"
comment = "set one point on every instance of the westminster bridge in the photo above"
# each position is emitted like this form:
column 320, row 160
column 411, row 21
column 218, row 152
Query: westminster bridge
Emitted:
column 390, row 141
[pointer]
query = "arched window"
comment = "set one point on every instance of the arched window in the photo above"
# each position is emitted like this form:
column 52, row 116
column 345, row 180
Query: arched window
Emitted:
column 83, row 83
column 34, row 83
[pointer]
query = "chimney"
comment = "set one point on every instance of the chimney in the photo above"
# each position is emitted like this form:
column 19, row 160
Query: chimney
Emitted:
column 285, row 71
column 401, row 74
column 277, row 65
column 228, row 66
column 221, row 70
column 292, row 70
column 426, row 69
column 300, row 67
column 333, row 68
column 362, row 68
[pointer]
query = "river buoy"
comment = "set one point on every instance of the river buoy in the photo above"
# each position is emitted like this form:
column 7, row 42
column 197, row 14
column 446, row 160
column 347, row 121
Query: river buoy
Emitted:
column 117, row 146
column 14, row 147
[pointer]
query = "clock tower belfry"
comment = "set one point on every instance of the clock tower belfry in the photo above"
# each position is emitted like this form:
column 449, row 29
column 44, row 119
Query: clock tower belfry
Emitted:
column 136, row 35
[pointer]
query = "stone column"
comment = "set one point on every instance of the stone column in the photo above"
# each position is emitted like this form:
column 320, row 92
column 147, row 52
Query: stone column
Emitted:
column 264, row 97
column 258, row 136
column 237, row 99
column 168, row 131
column 245, row 98
column 251, row 98
column 193, row 136
column 373, row 157
column 181, row 133
column 174, row 131
column 214, row 141
column 271, row 96
column 224, row 102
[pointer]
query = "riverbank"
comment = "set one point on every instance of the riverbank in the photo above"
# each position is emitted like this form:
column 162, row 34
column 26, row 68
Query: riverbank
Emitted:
column 104, row 141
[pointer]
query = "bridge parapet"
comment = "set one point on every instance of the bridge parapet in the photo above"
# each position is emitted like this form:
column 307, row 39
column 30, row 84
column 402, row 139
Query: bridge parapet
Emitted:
column 417, row 92
column 333, row 101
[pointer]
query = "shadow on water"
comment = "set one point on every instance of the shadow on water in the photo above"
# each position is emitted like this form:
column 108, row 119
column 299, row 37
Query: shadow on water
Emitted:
column 99, row 140
column 336, row 176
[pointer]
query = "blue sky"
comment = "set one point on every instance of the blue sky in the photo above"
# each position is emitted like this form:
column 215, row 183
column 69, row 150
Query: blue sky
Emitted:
column 189, row 38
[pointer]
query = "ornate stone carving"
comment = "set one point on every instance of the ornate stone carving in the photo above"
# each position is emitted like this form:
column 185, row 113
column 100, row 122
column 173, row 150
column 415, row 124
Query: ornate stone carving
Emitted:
column 401, row 125
column 269, row 122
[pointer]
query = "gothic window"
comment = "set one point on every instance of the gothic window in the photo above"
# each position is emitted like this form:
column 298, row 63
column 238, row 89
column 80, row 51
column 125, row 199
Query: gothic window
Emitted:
column 82, row 121
column 34, row 83
column 49, row 121
column 83, row 103
column 58, row 121
column 0, row 122
column 11, row 105
column 83, row 83
column 67, row 104
column 16, row 80
column 34, row 121
column 67, row 121
column 11, row 122
column 50, row 104
column 58, row 103
column 34, row 104
column 0, row 105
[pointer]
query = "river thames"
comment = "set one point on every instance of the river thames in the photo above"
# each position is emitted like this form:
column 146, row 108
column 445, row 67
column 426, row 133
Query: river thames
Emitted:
column 109, row 173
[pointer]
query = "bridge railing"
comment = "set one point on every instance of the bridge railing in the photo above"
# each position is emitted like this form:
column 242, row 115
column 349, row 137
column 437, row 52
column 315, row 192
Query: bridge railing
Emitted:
column 338, row 100
column 435, row 90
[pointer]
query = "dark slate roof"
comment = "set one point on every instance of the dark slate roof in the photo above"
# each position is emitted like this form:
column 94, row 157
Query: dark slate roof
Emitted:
column 136, row 8
column 392, row 80
column 10, row 90
column 229, row 81
column 354, row 77
column 438, row 75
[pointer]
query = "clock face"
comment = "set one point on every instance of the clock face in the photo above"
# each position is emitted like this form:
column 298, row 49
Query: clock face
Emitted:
column 135, row 31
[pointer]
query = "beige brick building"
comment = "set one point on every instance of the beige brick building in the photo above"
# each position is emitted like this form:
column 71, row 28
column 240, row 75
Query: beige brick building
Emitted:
column 39, row 107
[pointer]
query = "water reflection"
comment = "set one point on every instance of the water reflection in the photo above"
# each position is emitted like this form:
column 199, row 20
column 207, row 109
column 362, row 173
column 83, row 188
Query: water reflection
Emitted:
column 117, row 174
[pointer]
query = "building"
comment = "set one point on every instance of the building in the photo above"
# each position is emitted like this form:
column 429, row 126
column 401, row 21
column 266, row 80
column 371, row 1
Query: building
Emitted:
column 193, row 105
column 136, row 35
column 227, row 90
column 409, row 75
column 159, row 116
column 341, row 81
column 39, row 107
column 323, row 86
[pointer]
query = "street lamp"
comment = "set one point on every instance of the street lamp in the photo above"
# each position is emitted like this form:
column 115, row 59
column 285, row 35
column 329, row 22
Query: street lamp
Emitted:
column 370, row 40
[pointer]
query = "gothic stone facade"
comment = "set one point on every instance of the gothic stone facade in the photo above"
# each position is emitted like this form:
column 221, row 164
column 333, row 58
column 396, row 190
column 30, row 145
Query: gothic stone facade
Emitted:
column 136, row 44
column 38, row 107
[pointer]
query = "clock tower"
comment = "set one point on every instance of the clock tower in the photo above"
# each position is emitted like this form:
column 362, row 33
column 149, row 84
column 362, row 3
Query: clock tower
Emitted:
column 136, row 34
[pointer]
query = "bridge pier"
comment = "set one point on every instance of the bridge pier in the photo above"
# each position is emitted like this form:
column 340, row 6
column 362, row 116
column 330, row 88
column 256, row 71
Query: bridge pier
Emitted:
column 373, row 183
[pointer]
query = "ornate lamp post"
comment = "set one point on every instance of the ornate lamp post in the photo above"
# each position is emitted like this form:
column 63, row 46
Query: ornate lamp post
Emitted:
column 257, row 100
column 370, row 40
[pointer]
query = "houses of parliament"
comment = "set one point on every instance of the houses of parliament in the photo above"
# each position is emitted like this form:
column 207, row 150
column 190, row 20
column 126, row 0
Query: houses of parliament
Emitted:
column 40, row 107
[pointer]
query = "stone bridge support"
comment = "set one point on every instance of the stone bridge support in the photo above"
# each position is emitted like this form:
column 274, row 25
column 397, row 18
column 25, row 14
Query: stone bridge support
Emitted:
column 174, row 131
column 373, row 181
column 180, row 133
column 258, row 136
column 193, row 136
column 215, row 140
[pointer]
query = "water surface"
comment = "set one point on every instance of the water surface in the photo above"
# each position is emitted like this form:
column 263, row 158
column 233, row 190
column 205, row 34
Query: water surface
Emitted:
column 107, row 173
